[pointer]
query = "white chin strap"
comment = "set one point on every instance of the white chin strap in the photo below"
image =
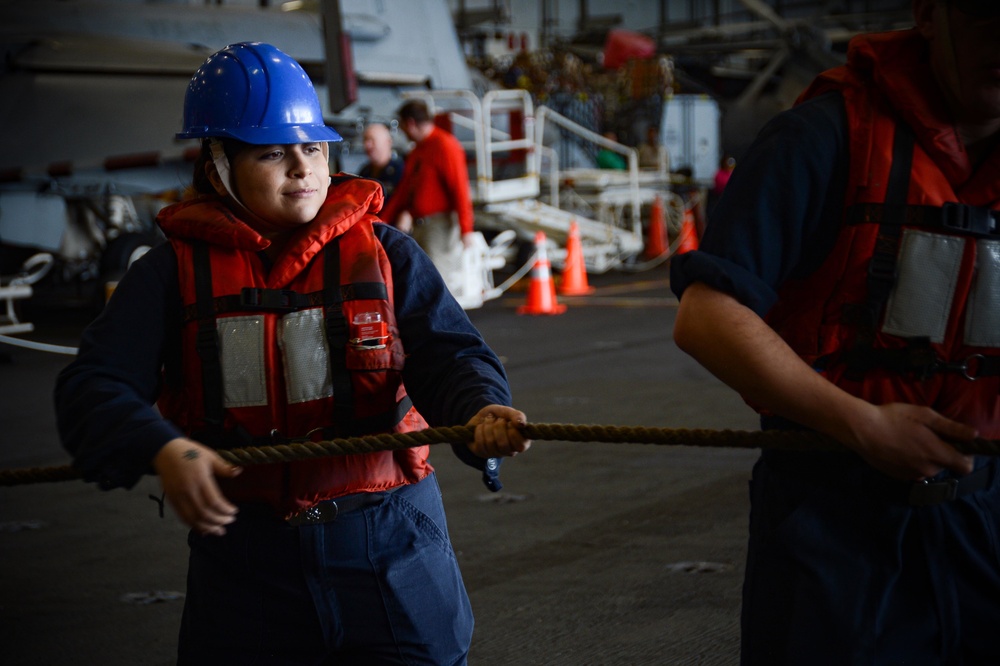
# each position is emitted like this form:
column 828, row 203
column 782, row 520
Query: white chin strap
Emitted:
column 222, row 166
column 221, row 163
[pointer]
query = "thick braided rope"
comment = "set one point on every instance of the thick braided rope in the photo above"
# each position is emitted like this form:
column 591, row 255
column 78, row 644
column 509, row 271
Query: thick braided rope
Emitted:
column 538, row 431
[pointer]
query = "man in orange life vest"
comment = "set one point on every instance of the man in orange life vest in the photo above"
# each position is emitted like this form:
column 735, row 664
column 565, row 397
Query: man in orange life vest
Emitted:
column 433, row 201
column 847, row 284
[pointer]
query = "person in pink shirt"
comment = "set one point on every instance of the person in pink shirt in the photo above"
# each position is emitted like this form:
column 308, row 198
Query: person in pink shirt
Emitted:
column 726, row 166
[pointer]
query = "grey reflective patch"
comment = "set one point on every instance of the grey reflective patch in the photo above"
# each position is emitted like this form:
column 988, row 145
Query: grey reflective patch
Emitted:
column 921, row 299
column 244, row 379
column 307, row 359
column 982, row 321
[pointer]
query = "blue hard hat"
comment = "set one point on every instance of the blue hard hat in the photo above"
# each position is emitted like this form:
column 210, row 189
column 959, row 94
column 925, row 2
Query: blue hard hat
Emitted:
column 255, row 93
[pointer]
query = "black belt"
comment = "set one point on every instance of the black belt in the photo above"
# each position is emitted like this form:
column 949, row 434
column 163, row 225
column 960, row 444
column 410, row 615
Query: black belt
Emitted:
column 842, row 471
column 927, row 493
column 329, row 510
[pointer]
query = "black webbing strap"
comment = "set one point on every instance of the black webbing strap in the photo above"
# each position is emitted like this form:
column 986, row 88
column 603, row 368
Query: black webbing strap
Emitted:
column 384, row 421
column 882, row 266
column 367, row 425
column 364, row 290
column 975, row 221
column 207, row 342
column 919, row 360
column 253, row 299
column 346, row 424
column 336, row 336
column 259, row 300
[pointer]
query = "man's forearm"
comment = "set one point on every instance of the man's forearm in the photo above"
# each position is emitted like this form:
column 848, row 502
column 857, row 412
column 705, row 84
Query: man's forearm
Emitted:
column 906, row 441
column 739, row 348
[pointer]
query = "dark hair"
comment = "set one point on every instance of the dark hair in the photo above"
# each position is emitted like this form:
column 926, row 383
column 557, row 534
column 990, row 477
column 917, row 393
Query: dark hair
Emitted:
column 199, row 181
column 414, row 110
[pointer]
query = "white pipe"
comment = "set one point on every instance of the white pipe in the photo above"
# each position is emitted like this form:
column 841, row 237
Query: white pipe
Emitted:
column 38, row 346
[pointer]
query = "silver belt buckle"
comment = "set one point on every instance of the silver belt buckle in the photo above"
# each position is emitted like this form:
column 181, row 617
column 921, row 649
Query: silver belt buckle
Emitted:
column 316, row 514
column 926, row 493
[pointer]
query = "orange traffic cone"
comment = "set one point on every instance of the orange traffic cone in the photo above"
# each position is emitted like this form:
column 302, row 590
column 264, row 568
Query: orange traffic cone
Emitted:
column 688, row 239
column 542, row 291
column 574, row 275
column 656, row 236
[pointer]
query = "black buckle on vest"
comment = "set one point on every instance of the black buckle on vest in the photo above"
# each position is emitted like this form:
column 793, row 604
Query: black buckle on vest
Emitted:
column 970, row 219
column 971, row 367
column 918, row 360
column 280, row 300
column 207, row 342
column 883, row 267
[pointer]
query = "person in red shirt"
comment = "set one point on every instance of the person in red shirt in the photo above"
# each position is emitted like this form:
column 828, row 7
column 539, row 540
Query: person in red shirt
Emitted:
column 433, row 201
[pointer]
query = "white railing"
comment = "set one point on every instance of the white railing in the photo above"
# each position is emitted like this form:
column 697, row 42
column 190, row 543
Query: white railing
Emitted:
column 611, row 225
column 487, row 139
column 546, row 114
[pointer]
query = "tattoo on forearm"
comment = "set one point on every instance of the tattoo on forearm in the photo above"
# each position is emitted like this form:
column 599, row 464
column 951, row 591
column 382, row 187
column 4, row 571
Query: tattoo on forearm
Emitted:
column 190, row 454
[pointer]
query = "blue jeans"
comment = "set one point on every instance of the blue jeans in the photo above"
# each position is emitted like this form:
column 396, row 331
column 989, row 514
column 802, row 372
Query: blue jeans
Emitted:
column 841, row 571
column 379, row 585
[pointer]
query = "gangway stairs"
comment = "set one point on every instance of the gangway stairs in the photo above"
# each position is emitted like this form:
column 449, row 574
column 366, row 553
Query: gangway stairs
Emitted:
column 18, row 288
column 604, row 246
column 503, row 124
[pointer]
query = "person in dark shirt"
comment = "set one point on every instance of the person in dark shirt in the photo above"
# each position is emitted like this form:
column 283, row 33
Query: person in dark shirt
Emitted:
column 383, row 164
column 845, row 285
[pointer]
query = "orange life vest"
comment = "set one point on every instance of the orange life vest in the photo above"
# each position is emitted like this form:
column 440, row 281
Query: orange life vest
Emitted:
column 306, row 350
column 904, row 308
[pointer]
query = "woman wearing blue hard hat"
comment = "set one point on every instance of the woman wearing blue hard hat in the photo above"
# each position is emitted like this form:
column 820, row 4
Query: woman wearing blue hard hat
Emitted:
column 281, row 311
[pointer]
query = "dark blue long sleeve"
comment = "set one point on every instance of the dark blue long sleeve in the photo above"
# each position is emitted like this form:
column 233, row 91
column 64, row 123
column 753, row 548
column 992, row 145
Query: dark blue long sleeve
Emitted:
column 450, row 372
column 105, row 398
column 781, row 210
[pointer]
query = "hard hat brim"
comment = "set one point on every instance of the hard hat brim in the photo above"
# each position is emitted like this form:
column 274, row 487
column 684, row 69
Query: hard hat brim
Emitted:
column 268, row 135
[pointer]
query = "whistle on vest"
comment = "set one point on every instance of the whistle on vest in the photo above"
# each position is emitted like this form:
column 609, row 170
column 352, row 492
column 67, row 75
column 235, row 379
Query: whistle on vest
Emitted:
column 368, row 331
